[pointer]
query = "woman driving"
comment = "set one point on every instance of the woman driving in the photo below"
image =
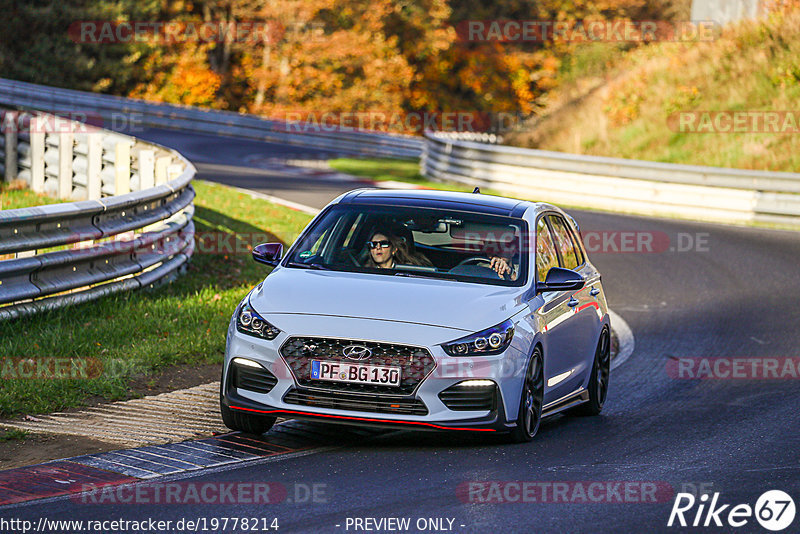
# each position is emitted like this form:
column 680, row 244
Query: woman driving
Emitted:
column 387, row 249
column 382, row 251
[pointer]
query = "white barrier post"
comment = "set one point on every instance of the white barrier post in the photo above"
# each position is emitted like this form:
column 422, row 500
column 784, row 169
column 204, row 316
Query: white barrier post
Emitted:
column 11, row 151
column 94, row 165
column 174, row 170
column 65, row 145
column 162, row 164
column 147, row 161
column 122, row 169
column 37, row 155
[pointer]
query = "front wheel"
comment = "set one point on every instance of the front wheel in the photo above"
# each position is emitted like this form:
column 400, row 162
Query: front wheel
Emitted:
column 242, row 421
column 598, row 382
column 530, row 404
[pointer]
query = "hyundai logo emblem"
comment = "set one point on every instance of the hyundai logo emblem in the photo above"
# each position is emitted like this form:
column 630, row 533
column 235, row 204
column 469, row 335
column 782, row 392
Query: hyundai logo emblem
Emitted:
column 356, row 352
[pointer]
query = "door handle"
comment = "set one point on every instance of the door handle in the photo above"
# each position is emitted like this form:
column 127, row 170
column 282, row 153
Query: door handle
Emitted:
column 594, row 292
column 572, row 302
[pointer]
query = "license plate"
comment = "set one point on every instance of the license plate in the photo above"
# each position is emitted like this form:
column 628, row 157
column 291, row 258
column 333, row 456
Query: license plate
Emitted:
column 355, row 372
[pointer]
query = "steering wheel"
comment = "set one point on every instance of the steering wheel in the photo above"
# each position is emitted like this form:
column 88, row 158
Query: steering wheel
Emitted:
column 476, row 260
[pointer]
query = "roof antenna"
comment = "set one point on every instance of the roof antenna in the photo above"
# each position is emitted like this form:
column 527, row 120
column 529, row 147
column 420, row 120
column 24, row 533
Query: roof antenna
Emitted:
column 477, row 191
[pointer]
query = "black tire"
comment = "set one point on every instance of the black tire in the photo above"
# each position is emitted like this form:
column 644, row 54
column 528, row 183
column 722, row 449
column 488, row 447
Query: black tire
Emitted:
column 244, row 422
column 530, row 402
column 598, row 382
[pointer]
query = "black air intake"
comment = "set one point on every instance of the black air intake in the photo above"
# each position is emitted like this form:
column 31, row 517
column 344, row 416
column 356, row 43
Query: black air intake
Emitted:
column 250, row 378
column 461, row 397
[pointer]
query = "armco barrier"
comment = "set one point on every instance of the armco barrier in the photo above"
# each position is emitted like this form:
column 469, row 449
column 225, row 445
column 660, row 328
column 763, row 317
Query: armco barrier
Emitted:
column 133, row 229
column 342, row 140
column 640, row 187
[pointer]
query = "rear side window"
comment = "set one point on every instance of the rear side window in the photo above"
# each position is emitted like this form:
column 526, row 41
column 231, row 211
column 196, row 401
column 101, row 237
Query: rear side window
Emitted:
column 564, row 242
column 546, row 256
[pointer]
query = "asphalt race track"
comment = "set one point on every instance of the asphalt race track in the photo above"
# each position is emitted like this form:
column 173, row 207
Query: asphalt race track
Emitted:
column 732, row 293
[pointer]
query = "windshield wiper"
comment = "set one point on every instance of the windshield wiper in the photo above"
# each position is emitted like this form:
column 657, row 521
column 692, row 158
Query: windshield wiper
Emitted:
column 417, row 274
column 315, row 266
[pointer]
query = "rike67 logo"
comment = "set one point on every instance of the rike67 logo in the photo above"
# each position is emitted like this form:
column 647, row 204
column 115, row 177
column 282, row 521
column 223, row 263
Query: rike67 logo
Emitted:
column 774, row 510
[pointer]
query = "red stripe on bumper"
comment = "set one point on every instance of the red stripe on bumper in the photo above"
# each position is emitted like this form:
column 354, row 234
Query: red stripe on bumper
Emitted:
column 367, row 419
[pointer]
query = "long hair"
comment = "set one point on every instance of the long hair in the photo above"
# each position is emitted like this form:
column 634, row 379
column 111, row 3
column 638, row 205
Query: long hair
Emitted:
column 402, row 254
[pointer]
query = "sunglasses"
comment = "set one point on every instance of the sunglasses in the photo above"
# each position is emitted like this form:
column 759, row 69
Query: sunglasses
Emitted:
column 383, row 243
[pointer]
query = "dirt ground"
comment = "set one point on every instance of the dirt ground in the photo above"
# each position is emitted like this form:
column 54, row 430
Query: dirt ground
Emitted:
column 38, row 448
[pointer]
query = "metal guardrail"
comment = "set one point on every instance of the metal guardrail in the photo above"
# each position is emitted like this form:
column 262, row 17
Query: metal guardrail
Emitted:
column 341, row 140
column 632, row 186
column 115, row 240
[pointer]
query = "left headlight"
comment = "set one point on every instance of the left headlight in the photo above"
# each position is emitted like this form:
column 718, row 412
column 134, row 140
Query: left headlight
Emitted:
column 488, row 342
column 250, row 322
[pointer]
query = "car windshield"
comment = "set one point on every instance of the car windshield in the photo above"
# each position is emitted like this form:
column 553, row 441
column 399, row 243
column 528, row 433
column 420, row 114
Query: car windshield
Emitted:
column 425, row 242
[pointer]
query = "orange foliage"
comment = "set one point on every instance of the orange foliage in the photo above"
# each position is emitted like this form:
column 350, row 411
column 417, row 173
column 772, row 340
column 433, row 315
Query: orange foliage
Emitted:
column 379, row 56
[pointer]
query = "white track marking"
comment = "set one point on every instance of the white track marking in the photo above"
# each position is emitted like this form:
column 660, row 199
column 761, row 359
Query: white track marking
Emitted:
column 625, row 337
column 275, row 200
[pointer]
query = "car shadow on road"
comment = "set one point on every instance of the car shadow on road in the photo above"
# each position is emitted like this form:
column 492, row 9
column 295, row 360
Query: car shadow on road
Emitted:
column 386, row 439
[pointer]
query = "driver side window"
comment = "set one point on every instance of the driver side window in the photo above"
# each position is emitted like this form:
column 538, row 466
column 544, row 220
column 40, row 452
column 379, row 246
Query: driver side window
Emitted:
column 546, row 256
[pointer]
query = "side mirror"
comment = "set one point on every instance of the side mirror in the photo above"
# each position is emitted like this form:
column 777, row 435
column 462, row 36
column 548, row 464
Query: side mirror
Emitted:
column 559, row 279
column 268, row 253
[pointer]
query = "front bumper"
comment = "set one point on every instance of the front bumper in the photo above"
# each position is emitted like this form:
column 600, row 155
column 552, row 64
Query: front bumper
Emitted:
column 493, row 422
column 436, row 415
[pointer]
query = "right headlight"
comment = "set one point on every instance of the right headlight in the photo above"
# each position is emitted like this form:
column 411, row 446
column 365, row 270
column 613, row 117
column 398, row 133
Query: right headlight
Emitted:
column 250, row 322
column 487, row 342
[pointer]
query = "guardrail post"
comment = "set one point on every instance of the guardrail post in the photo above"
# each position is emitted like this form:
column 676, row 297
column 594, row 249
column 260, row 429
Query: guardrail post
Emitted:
column 94, row 164
column 65, row 142
column 11, row 151
column 147, row 160
column 162, row 164
column 122, row 169
column 174, row 170
column 37, row 156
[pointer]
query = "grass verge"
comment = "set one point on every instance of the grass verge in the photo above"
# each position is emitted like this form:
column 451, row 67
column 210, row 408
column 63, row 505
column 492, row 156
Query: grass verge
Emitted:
column 13, row 434
column 750, row 67
column 14, row 195
column 397, row 170
column 128, row 336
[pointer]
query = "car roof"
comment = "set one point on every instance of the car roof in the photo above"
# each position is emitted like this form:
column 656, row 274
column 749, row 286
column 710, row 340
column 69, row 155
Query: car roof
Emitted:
column 431, row 198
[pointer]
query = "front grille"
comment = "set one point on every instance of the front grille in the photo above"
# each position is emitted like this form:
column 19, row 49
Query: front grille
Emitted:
column 356, row 402
column 255, row 379
column 415, row 363
column 464, row 398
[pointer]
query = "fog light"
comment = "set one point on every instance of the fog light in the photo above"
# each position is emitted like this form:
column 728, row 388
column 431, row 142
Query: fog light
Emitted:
column 476, row 383
column 246, row 362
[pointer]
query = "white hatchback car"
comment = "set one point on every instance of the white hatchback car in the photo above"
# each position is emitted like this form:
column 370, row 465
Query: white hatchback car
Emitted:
column 424, row 310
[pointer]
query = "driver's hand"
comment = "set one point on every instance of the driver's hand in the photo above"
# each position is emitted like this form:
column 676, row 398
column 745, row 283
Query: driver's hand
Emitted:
column 500, row 265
